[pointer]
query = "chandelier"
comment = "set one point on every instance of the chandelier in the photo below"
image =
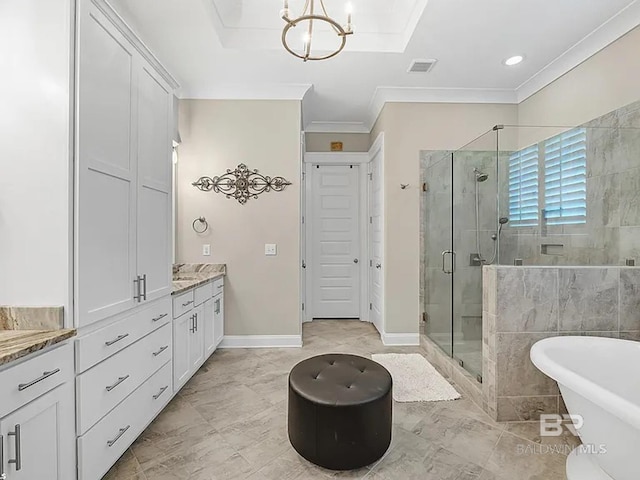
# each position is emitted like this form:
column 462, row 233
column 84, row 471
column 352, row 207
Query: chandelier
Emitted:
column 310, row 15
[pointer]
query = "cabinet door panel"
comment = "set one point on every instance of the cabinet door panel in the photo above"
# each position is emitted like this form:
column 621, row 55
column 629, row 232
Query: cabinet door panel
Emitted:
column 154, row 183
column 196, row 347
column 209, row 329
column 182, row 327
column 106, row 170
column 46, row 440
column 218, row 321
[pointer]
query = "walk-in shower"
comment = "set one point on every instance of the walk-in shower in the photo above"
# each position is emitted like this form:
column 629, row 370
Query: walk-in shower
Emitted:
column 539, row 196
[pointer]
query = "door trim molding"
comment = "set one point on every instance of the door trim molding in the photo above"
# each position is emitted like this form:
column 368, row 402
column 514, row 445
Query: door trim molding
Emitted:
column 377, row 147
column 400, row 339
column 337, row 158
column 261, row 341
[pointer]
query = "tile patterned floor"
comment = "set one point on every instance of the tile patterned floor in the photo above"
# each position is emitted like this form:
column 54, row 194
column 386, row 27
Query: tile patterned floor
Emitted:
column 229, row 422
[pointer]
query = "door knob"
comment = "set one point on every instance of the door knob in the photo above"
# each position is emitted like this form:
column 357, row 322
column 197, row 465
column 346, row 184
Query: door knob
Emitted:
column 378, row 266
column 355, row 260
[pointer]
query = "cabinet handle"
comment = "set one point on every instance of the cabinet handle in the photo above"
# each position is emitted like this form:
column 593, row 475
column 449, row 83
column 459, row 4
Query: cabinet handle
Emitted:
column 116, row 340
column 192, row 328
column 18, row 459
column 159, row 317
column 188, row 303
column 3, row 476
column 218, row 306
column 136, row 284
column 45, row 375
column 157, row 395
column 118, row 382
column 121, row 432
column 162, row 349
column 196, row 322
column 144, row 291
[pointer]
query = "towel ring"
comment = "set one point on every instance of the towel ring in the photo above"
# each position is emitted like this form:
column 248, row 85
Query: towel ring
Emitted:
column 203, row 221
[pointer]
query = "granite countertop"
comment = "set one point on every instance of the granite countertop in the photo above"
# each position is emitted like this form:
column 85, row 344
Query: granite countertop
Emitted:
column 15, row 344
column 191, row 275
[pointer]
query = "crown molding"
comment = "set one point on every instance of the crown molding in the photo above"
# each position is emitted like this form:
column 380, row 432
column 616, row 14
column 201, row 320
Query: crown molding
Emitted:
column 607, row 33
column 337, row 127
column 248, row 92
column 385, row 95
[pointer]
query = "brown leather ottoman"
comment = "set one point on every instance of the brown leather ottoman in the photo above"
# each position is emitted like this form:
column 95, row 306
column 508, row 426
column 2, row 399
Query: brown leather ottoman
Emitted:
column 340, row 410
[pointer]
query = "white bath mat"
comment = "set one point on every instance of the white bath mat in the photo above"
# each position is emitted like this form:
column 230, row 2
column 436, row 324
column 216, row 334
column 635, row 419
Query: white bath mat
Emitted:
column 415, row 379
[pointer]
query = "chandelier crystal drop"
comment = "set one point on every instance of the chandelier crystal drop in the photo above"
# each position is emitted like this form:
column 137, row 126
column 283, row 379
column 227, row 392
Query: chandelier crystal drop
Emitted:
column 313, row 13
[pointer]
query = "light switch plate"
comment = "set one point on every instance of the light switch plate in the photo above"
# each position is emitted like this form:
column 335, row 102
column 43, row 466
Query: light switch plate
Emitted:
column 270, row 249
column 206, row 249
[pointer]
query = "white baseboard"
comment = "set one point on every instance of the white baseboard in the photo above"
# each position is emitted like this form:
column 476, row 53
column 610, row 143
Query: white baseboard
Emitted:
column 261, row 341
column 400, row 339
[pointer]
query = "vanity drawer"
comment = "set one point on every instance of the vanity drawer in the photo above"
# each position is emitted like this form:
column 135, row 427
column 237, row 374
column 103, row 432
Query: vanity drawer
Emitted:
column 182, row 303
column 35, row 376
column 218, row 285
column 203, row 293
column 100, row 447
column 101, row 344
column 103, row 387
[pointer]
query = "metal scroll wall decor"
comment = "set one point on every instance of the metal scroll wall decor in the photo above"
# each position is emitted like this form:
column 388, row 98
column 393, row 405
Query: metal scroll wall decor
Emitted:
column 241, row 184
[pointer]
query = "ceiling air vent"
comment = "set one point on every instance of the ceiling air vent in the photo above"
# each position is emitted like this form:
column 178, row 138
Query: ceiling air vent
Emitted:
column 421, row 66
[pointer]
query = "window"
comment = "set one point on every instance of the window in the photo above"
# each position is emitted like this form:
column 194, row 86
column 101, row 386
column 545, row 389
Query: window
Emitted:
column 523, row 187
column 565, row 178
column 563, row 160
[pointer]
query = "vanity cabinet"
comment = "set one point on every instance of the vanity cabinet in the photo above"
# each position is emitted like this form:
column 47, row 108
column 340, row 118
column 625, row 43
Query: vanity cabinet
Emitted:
column 37, row 437
column 197, row 328
column 123, row 165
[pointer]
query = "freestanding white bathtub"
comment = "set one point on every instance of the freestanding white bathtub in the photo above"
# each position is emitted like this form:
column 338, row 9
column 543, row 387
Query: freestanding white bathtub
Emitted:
column 599, row 379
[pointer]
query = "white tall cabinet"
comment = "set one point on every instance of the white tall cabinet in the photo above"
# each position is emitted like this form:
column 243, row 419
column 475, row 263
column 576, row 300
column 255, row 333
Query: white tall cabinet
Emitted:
column 123, row 200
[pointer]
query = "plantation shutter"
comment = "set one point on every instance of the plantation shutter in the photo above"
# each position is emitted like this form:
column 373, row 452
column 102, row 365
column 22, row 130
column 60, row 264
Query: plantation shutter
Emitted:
column 523, row 187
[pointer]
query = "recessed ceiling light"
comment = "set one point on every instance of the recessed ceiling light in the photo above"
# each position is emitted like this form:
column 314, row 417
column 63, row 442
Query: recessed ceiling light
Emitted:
column 511, row 61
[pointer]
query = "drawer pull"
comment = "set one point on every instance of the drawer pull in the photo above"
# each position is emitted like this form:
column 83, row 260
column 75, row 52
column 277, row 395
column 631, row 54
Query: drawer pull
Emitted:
column 116, row 340
column 159, row 317
column 188, row 303
column 157, row 395
column 118, row 382
column 45, row 375
column 121, row 432
column 18, row 459
column 220, row 287
column 162, row 349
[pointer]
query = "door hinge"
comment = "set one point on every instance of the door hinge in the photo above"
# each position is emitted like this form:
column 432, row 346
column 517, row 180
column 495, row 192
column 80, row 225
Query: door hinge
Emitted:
column 371, row 263
column 371, row 306
column 303, row 220
column 303, row 307
column 303, row 175
column 371, row 220
column 371, row 176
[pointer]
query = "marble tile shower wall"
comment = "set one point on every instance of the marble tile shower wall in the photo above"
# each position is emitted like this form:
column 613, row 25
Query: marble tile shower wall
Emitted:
column 525, row 304
column 611, row 233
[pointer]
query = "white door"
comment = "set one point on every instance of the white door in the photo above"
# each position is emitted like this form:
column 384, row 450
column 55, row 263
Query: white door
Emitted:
column 335, row 242
column 39, row 438
column 376, row 242
column 106, row 170
column 154, row 184
column 218, row 318
column 196, row 340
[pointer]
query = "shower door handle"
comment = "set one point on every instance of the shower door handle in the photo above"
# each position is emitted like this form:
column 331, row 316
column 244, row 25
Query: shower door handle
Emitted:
column 453, row 261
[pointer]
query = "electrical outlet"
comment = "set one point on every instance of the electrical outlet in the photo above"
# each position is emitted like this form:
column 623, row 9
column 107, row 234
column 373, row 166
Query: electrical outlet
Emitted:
column 270, row 249
column 206, row 249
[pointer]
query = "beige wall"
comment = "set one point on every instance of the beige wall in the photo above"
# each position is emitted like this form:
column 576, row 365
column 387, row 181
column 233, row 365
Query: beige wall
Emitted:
column 603, row 83
column 261, row 293
column 352, row 142
column 409, row 128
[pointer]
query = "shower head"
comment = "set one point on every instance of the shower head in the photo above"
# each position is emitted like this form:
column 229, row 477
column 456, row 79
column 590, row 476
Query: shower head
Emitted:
column 503, row 220
column 480, row 176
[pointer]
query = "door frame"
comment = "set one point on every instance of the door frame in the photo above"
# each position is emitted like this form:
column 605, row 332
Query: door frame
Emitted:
column 311, row 159
column 377, row 148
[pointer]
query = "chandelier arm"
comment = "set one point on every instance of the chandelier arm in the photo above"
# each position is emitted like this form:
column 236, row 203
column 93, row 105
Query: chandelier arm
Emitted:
column 324, row 10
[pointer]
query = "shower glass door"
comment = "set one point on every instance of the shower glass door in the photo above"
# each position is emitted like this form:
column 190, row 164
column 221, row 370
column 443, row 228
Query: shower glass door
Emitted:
column 438, row 258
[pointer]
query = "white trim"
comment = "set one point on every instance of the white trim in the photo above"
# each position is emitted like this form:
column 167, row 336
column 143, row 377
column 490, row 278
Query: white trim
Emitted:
column 105, row 7
column 377, row 147
column 384, row 95
column 607, row 33
column 337, row 127
column 261, row 341
column 248, row 92
column 363, row 213
column 336, row 158
column 400, row 339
